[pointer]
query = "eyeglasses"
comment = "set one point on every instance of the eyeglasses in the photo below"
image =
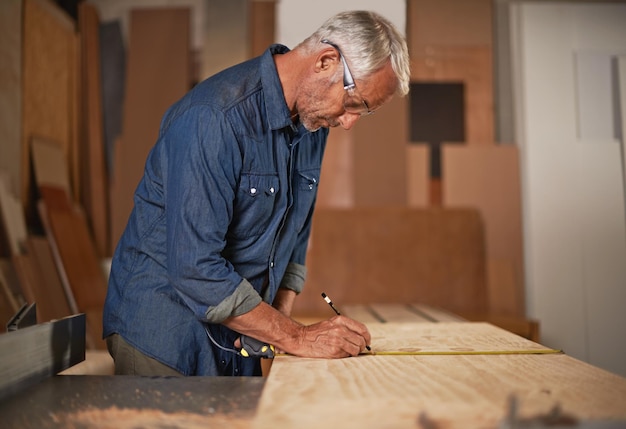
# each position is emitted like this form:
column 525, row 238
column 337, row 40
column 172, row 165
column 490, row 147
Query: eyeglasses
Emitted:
column 352, row 102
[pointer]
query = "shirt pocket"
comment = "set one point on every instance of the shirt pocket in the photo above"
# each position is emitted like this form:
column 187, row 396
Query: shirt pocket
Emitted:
column 255, row 204
column 307, row 182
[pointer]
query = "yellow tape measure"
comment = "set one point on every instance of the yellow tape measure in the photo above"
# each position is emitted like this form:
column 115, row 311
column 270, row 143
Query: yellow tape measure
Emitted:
column 464, row 352
column 455, row 352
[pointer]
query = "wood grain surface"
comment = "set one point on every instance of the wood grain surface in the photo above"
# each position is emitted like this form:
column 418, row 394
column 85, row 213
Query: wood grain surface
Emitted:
column 459, row 391
column 446, row 337
column 49, row 81
column 371, row 255
column 94, row 195
column 157, row 75
column 40, row 280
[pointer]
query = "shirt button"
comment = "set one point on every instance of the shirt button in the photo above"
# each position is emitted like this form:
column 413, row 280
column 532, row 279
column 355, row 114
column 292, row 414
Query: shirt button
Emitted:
column 271, row 190
column 272, row 264
column 253, row 190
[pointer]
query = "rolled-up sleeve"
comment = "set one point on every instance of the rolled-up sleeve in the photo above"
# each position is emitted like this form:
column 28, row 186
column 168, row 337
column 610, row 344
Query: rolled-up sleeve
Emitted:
column 294, row 277
column 244, row 299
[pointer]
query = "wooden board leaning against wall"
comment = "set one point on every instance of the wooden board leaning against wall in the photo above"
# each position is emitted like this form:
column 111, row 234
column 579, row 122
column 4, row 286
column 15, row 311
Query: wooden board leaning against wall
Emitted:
column 457, row 49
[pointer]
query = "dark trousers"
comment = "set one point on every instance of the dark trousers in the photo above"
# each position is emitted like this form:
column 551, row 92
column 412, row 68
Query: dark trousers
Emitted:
column 130, row 361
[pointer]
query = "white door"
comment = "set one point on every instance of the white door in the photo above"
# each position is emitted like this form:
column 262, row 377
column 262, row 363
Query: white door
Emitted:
column 569, row 129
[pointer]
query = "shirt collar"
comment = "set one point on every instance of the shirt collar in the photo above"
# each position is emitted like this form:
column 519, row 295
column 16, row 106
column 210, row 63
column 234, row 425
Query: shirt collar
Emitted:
column 277, row 111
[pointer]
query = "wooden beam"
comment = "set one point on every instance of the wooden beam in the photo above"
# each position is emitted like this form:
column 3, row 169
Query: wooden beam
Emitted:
column 94, row 195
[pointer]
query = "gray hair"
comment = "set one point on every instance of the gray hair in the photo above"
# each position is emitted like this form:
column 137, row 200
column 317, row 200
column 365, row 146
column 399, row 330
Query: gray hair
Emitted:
column 368, row 41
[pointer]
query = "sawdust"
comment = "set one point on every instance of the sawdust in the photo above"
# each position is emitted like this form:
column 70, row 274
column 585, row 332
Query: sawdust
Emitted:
column 125, row 418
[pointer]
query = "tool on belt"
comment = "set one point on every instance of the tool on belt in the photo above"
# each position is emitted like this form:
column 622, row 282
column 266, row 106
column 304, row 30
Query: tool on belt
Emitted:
column 250, row 347
column 253, row 347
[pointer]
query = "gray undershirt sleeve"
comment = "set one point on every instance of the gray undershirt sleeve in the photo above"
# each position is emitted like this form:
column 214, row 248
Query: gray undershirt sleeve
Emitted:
column 244, row 299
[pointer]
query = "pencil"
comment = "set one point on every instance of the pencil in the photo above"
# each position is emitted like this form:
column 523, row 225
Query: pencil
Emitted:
column 328, row 300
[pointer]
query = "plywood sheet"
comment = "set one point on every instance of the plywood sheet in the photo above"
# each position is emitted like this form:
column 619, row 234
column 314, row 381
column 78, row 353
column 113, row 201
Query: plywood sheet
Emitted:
column 379, row 163
column 360, row 312
column 49, row 82
column 262, row 25
column 12, row 221
column 417, row 174
column 396, row 313
column 76, row 259
column 437, row 314
column 449, row 22
column 10, row 88
column 50, row 164
column 488, row 178
column 79, row 258
column 40, row 280
column 94, row 178
column 395, row 254
column 460, row 391
column 157, row 75
column 446, row 337
column 336, row 188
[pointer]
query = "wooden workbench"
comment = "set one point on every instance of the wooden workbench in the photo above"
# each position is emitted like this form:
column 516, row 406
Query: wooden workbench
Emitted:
column 440, row 372
column 131, row 402
column 428, row 369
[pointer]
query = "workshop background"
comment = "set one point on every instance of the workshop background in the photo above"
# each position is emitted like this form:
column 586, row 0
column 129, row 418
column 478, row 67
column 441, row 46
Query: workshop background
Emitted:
column 495, row 190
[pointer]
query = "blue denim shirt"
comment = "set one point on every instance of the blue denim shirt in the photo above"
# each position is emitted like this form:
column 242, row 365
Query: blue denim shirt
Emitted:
column 221, row 220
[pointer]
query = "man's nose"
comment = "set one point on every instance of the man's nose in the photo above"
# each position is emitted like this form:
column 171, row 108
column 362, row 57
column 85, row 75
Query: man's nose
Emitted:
column 347, row 120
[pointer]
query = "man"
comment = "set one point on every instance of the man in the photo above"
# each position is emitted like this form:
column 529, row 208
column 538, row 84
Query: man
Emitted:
column 215, row 245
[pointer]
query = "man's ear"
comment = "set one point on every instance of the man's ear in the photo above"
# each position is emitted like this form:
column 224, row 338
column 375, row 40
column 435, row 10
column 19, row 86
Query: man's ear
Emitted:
column 327, row 60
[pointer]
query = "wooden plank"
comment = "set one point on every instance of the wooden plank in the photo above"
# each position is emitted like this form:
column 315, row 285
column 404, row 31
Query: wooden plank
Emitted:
column 362, row 313
column 79, row 261
column 411, row 313
column 449, row 22
column 417, row 175
column 488, row 178
column 49, row 51
column 157, row 75
column 40, row 280
column 11, row 90
column 393, row 254
column 12, row 220
column 50, row 164
column 262, row 25
column 437, row 314
column 94, row 195
column 398, row 313
column 43, row 214
column 527, row 328
column 336, row 190
column 446, row 337
column 32, row 354
column 381, row 142
column 76, row 258
column 452, row 392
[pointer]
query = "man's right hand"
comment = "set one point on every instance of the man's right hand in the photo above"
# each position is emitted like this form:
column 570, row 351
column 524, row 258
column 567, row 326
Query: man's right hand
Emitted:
column 337, row 337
